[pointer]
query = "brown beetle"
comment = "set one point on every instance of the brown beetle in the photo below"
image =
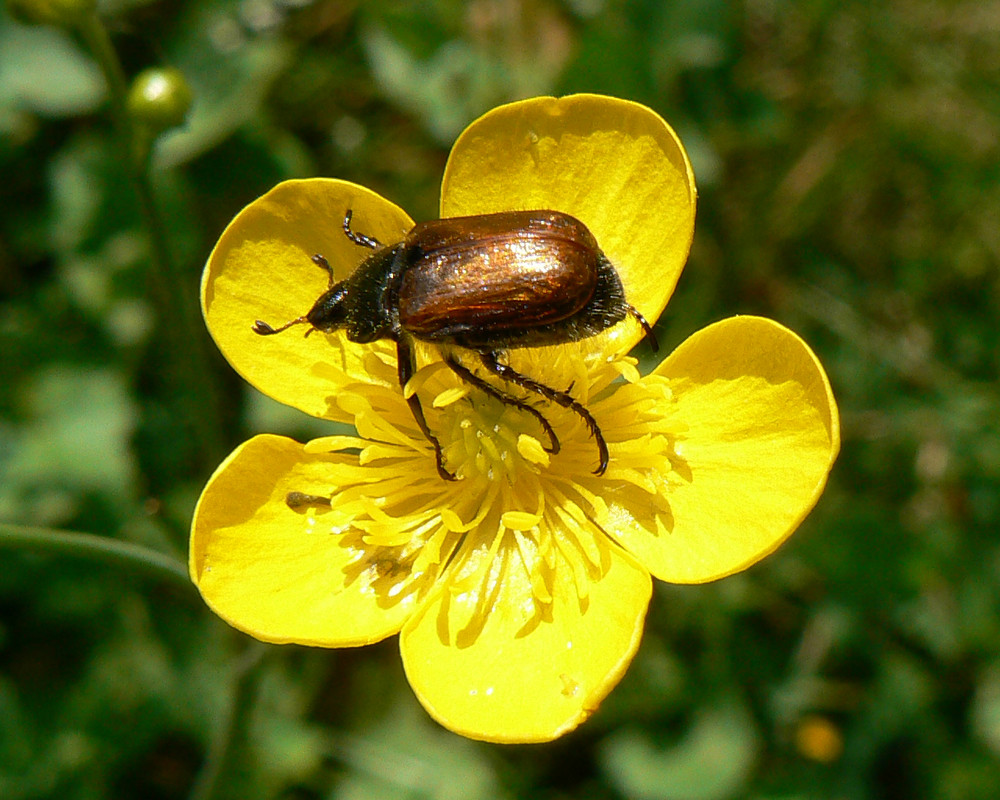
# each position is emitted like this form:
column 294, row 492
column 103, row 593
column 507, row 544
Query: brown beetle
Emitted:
column 487, row 283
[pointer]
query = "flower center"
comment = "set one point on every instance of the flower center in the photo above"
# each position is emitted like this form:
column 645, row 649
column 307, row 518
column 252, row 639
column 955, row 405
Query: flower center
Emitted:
column 517, row 506
column 484, row 434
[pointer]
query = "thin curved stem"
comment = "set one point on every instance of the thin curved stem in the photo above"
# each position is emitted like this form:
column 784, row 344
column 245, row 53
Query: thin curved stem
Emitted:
column 96, row 36
column 131, row 557
column 186, row 346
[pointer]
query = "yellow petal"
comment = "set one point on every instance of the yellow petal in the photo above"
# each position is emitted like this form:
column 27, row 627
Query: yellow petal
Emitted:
column 261, row 268
column 521, row 677
column 613, row 164
column 758, row 433
column 285, row 575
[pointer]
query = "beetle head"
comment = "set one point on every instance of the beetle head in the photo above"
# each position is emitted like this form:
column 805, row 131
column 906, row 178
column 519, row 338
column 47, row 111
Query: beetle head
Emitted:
column 332, row 310
column 357, row 303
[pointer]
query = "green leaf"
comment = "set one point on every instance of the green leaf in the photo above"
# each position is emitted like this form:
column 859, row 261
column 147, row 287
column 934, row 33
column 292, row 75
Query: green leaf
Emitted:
column 230, row 71
column 44, row 71
column 77, row 442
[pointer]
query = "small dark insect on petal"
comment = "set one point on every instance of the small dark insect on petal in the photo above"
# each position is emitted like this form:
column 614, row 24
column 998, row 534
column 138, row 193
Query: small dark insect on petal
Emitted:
column 298, row 500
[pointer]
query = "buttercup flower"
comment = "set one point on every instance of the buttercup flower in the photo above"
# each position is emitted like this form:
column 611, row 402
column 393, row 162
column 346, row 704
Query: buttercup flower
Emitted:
column 519, row 590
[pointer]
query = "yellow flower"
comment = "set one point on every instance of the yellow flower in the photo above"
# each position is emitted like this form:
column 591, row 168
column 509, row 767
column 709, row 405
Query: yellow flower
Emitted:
column 518, row 591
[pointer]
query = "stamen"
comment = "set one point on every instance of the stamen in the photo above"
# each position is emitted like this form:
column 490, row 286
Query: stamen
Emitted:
column 517, row 508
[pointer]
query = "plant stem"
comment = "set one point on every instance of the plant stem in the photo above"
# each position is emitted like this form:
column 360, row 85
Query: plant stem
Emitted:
column 186, row 351
column 132, row 557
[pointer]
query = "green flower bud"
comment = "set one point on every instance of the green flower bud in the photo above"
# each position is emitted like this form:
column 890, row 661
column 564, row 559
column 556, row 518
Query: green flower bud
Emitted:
column 159, row 98
column 51, row 12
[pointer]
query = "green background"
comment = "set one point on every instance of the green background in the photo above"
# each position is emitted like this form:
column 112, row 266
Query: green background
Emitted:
column 847, row 157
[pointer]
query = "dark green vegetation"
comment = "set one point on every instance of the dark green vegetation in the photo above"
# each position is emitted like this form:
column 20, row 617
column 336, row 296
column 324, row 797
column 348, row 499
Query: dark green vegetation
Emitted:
column 848, row 160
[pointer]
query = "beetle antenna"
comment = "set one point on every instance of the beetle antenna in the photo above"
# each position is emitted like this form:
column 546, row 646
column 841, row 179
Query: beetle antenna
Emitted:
column 263, row 329
column 650, row 336
column 359, row 238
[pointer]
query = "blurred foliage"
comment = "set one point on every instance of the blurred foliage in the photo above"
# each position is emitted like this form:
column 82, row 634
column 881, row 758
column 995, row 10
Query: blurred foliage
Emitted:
column 848, row 157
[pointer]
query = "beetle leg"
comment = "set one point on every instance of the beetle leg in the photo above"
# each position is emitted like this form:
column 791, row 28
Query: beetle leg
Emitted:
column 564, row 399
column 406, row 368
column 359, row 238
column 646, row 327
column 320, row 261
column 468, row 375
